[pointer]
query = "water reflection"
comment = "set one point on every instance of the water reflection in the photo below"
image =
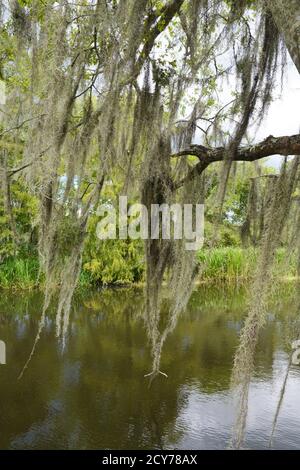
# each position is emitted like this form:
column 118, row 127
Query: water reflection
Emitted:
column 94, row 394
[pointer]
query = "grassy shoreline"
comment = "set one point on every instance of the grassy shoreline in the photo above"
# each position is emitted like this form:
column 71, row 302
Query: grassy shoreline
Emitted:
column 226, row 264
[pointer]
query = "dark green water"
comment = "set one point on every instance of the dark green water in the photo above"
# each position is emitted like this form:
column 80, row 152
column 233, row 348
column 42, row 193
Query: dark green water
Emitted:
column 93, row 395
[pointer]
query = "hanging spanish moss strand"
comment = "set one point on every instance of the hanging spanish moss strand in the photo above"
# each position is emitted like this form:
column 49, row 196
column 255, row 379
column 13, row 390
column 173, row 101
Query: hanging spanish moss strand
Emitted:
column 179, row 285
column 280, row 401
column 293, row 334
column 244, row 358
column 256, row 74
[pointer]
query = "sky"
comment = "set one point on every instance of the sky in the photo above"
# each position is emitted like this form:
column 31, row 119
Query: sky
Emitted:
column 284, row 113
column 283, row 117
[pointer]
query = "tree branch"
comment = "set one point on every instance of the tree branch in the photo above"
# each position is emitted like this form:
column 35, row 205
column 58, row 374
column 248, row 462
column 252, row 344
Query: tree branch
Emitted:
column 286, row 145
column 166, row 16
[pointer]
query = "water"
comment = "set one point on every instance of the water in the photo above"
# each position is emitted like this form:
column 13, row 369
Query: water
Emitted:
column 93, row 395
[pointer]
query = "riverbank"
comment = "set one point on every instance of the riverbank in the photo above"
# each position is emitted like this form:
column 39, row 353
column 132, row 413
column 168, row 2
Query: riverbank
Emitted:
column 225, row 264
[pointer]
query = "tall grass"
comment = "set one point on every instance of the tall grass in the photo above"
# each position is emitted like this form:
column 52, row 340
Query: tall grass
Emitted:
column 19, row 273
column 238, row 264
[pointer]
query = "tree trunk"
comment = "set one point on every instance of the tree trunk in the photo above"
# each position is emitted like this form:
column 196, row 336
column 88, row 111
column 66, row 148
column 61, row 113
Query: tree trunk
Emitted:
column 7, row 197
column 286, row 15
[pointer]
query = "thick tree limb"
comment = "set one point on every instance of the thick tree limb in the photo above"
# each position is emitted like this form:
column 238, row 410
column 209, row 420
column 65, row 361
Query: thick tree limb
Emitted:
column 166, row 16
column 286, row 15
column 286, row 145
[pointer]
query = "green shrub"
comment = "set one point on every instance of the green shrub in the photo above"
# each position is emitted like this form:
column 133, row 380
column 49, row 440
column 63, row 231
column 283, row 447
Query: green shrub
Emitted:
column 112, row 261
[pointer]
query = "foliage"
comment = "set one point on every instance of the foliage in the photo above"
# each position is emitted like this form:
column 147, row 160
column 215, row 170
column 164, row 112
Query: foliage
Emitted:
column 112, row 261
column 25, row 212
column 119, row 264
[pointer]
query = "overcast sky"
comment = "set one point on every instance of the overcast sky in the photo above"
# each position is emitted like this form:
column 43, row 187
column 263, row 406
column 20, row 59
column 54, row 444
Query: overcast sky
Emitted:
column 284, row 113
